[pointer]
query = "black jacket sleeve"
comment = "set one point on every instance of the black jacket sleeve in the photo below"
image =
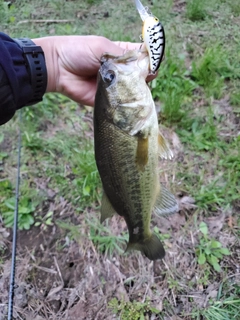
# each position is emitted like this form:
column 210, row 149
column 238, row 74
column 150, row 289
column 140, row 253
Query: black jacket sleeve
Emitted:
column 7, row 103
column 15, row 86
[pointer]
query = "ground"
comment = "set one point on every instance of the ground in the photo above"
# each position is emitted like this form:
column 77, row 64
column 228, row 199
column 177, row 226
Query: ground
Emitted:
column 69, row 266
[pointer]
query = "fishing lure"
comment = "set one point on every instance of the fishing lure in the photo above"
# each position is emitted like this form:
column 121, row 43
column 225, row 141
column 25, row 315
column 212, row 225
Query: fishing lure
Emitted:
column 153, row 36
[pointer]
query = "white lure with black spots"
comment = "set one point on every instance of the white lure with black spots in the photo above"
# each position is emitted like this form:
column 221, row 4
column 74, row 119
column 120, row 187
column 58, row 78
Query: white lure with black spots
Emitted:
column 153, row 36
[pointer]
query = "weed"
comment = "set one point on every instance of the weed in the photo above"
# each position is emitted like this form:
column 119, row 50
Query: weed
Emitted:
column 162, row 236
column 93, row 1
column 6, row 185
column 228, row 309
column 200, row 133
column 235, row 7
column 196, row 10
column 6, row 193
column 209, row 250
column 32, row 141
column 173, row 284
column 45, row 221
column 211, row 195
column 48, row 109
column 73, row 230
column 105, row 241
column 2, row 156
column 25, row 213
column 3, row 235
column 81, row 177
column 211, row 69
column 132, row 310
column 3, row 11
column 235, row 98
column 205, row 274
column 173, row 88
column 86, row 175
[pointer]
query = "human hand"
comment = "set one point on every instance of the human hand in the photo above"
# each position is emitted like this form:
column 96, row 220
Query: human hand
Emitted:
column 73, row 63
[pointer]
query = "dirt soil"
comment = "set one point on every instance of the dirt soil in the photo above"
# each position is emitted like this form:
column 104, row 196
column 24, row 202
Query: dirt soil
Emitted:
column 62, row 278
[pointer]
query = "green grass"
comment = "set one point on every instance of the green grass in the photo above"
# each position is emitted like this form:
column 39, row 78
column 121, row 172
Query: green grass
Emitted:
column 220, row 187
column 211, row 69
column 173, row 88
column 226, row 306
column 106, row 242
column 78, row 172
column 196, row 10
column 132, row 310
column 209, row 250
column 68, row 166
column 235, row 7
column 227, row 310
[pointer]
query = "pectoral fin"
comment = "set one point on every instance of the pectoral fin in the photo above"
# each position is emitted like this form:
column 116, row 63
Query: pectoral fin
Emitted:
column 163, row 148
column 152, row 247
column 165, row 203
column 107, row 210
column 142, row 153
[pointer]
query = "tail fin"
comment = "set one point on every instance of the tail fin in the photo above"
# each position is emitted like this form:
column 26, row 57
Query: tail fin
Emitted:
column 152, row 247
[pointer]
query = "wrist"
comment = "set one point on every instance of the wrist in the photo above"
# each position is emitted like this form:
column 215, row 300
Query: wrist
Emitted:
column 47, row 45
column 33, row 56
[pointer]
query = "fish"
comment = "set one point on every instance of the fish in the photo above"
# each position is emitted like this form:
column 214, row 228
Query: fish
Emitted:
column 127, row 145
column 153, row 36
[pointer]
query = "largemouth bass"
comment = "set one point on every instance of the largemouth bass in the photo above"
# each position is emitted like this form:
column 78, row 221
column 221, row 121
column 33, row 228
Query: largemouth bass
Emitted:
column 127, row 144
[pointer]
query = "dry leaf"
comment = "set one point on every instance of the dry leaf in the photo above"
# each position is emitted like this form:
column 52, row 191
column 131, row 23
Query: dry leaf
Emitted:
column 215, row 224
column 186, row 203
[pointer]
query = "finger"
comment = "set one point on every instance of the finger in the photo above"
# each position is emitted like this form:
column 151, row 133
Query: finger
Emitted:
column 102, row 45
column 128, row 45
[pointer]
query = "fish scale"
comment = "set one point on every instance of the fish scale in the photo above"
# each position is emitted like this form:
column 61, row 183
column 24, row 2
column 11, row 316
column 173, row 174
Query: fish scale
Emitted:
column 126, row 181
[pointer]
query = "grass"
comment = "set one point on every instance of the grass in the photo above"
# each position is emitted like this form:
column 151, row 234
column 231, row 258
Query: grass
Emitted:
column 104, row 240
column 196, row 10
column 228, row 309
column 173, row 88
column 198, row 92
column 235, row 7
column 209, row 250
column 132, row 310
column 211, row 69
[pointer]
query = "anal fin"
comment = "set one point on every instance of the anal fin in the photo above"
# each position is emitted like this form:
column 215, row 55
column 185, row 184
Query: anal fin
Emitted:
column 166, row 203
column 107, row 210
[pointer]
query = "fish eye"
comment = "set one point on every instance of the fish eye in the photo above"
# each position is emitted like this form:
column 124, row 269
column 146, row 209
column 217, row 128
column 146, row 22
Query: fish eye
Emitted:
column 109, row 77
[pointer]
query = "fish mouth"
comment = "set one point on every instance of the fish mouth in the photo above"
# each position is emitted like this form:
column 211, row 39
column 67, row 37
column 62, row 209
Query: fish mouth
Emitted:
column 130, row 61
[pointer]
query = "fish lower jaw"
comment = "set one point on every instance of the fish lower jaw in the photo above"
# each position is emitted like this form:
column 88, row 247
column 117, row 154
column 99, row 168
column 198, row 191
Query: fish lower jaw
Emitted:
column 129, row 104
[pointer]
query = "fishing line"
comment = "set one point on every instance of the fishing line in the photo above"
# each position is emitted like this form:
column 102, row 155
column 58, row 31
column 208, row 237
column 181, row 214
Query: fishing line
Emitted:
column 15, row 226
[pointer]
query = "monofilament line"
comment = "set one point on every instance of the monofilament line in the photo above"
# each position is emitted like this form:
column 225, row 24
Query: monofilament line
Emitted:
column 15, row 226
